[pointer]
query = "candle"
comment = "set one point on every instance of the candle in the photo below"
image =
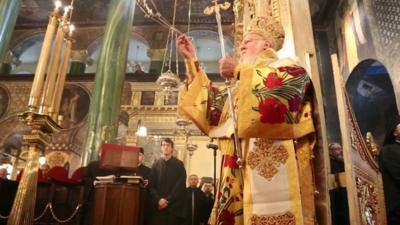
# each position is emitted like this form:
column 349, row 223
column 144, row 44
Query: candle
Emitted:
column 49, row 86
column 38, row 80
column 56, row 100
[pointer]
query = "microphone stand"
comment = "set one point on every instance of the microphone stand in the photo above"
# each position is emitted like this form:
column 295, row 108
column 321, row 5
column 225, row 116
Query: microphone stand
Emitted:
column 214, row 147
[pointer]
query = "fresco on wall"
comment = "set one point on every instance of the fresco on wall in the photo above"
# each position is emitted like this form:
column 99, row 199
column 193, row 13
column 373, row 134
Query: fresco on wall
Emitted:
column 74, row 105
column 4, row 101
column 12, row 130
column 355, row 40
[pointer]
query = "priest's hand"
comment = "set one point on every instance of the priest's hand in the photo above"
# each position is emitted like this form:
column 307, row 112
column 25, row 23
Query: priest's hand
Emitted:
column 162, row 203
column 185, row 47
column 227, row 66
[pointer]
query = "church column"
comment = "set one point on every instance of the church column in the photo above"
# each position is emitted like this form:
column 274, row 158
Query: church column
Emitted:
column 78, row 62
column 156, row 56
column 9, row 11
column 6, row 66
column 181, row 137
column 105, row 104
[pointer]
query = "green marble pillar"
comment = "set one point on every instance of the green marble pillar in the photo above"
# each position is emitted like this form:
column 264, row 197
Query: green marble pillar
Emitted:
column 105, row 103
column 77, row 68
column 9, row 10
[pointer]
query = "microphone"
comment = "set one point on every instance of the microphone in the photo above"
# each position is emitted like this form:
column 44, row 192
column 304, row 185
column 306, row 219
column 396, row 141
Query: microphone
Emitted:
column 212, row 146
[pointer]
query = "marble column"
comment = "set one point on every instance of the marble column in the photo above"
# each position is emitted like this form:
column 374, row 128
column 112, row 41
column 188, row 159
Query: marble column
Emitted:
column 105, row 104
column 78, row 62
column 9, row 11
column 156, row 56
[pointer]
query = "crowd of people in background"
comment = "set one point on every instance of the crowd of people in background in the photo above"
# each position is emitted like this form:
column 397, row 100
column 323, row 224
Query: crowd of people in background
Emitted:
column 171, row 201
column 168, row 200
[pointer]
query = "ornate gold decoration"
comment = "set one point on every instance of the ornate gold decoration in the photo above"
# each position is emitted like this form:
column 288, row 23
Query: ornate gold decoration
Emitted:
column 57, row 158
column 368, row 201
column 372, row 146
column 279, row 219
column 357, row 142
column 266, row 157
column 270, row 28
column 42, row 126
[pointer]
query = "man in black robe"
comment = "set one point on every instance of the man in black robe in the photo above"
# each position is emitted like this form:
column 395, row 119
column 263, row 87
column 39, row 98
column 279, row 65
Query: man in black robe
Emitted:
column 389, row 162
column 167, row 187
column 208, row 191
column 338, row 195
column 143, row 170
column 195, row 202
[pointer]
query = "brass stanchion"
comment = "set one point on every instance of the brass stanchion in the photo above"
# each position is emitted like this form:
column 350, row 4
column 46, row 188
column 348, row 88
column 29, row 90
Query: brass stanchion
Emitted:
column 43, row 125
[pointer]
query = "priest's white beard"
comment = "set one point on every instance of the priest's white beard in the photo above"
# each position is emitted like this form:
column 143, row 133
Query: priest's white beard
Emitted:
column 248, row 58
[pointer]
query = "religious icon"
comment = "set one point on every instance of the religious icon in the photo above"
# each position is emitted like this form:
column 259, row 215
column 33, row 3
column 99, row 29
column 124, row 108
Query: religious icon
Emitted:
column 74, row 106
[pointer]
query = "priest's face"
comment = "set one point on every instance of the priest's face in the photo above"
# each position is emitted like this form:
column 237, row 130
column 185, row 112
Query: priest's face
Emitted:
column 252, row 45
column 166, row 148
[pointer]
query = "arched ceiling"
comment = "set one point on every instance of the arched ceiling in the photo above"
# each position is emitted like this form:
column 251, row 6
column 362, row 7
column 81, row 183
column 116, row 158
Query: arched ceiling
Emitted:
column 94, row 12
column 34, row 13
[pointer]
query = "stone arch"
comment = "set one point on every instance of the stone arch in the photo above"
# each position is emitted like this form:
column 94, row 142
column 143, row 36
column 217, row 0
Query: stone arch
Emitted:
column 26, row 53
column 137, row 53
column 372, row 97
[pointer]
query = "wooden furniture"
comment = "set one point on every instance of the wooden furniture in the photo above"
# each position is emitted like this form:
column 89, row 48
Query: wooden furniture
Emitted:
column 119, row 156
column 117, row 204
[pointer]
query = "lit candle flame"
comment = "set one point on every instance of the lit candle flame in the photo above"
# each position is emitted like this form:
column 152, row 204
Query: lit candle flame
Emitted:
column 66, row 10
column 71, row 29
column 58, row 5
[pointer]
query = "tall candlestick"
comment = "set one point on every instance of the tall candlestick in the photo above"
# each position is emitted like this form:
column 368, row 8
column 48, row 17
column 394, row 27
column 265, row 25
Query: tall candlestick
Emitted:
column 37, row 84
column 56, row 100
column 49, row 86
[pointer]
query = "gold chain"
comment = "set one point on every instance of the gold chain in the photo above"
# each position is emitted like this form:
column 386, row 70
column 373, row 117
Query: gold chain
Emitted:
column 65, row 220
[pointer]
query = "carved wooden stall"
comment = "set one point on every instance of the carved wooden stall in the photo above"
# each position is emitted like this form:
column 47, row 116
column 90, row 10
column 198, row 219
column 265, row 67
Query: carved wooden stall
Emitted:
column 363, row 179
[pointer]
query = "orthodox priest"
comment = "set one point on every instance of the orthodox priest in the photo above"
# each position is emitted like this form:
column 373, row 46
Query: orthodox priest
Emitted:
column 274, row 123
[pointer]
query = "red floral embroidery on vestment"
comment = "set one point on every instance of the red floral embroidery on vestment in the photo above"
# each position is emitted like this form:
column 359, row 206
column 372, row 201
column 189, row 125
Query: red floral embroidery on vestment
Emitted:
column 231, row 162
column 293, row 70
column 273, row 81
column 294, row 103
column 226, row 218
column 271, row 111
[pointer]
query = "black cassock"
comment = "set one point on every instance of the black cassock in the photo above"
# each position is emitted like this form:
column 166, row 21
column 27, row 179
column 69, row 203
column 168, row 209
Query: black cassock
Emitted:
column 168, row 180
column 196, row 206
column 389, row 164
column 389, row 161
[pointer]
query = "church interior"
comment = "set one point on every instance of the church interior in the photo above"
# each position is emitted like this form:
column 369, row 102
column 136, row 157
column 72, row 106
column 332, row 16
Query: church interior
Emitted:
column 351, row 49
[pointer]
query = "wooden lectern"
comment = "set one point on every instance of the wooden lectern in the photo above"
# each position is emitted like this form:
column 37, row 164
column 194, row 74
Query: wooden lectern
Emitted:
column 118, row 203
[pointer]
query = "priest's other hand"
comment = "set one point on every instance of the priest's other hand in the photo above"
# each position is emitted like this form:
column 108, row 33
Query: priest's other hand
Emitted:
column 162, row 203
column 227, row 66
column 185, row 47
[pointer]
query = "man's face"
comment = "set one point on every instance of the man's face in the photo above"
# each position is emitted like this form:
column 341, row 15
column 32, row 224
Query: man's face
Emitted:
column 207, row 188
column 193, row 181
column 396, row 132
column 166, row 148
column 336, row 151
column 141, row 157
column 252, row 45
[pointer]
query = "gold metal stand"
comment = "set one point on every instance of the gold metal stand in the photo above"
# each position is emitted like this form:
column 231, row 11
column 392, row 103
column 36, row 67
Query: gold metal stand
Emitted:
column 22, row 212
